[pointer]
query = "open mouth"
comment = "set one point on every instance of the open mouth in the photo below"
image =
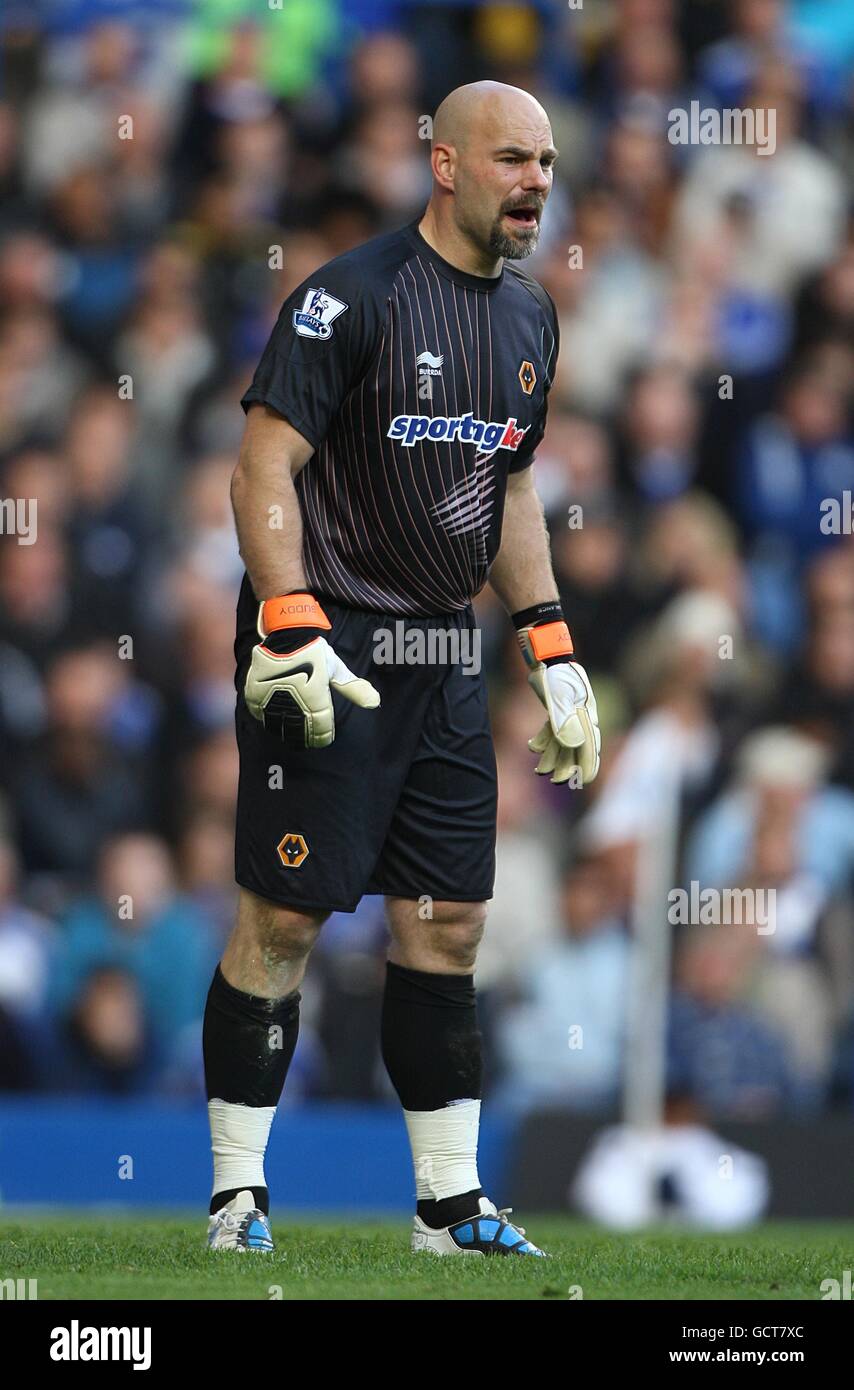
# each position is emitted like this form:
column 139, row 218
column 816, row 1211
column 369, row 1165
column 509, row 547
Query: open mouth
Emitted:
column 526, row 217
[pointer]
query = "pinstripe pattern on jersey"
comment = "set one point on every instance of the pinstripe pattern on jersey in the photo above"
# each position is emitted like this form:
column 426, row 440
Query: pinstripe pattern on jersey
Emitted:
column 414, row 530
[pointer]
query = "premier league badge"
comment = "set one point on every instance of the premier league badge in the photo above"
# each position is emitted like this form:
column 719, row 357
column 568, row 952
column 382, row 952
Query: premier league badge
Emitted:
column 318, row 312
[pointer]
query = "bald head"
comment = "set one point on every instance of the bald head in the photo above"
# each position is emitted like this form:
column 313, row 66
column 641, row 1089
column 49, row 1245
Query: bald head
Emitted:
column 492, row 162
column 478, row 107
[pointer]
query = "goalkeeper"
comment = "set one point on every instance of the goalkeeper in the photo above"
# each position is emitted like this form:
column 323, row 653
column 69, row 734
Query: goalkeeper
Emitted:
column 385, row 477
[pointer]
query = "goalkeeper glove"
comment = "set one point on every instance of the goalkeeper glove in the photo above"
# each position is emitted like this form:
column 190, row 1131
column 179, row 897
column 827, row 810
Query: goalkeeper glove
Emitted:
column 570, row 737
column 294, row 670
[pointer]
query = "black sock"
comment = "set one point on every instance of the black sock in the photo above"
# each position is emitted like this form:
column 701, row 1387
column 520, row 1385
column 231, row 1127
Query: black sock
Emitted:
column 260, row 1195
column 430, row 1037
column 450, row 1209
column 248, row 1043
column 431, row 1047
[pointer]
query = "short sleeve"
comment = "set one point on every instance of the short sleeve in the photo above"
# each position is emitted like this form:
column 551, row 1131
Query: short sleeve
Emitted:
column 534, row 438
column 317, row 351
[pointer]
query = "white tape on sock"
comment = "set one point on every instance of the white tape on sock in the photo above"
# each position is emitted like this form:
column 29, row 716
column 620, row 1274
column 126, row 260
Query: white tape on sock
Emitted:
column 444, row 1149
column 239, row 1136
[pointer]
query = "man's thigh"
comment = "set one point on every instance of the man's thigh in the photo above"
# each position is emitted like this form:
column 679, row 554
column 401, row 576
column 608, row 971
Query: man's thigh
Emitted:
column 440, row 845
column 311, row 824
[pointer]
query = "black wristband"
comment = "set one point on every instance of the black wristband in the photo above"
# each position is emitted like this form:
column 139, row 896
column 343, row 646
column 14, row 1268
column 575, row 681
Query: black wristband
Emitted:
column 289, row 639
column 551, row 612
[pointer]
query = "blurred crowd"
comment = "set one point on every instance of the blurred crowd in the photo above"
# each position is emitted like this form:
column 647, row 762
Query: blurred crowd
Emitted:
column 700, row 420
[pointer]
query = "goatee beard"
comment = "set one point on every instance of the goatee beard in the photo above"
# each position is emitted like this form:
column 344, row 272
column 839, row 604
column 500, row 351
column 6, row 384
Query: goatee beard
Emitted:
column 512, row 248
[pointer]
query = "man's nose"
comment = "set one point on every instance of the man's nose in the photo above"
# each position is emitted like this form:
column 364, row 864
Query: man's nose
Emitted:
column 536, row 177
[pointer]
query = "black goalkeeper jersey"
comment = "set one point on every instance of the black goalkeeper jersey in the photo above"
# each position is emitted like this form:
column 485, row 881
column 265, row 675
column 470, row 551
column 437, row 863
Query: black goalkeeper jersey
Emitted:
column 419, row 386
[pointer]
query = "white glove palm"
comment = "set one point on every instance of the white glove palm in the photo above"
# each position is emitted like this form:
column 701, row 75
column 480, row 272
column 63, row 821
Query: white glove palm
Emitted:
column 570, row 737
column 291, row 693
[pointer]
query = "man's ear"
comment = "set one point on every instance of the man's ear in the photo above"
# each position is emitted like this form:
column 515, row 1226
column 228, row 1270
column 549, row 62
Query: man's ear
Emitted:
column 444, row 163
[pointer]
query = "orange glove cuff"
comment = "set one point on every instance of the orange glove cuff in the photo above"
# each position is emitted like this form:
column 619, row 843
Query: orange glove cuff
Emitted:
column 550, row 639
column 292, row 610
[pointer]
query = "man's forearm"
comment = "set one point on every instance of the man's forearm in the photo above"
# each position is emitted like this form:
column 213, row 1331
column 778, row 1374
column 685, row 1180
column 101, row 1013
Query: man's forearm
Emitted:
column 569, row 742
column 521, row 573
column 266, row 508
column 269, row 530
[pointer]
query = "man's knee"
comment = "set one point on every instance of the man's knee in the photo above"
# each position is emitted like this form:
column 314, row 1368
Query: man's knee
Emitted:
column 459, row 929
column 280, row 933
column 446, row 938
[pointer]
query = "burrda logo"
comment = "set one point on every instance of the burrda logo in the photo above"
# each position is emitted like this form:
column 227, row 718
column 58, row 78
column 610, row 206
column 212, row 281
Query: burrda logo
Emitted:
column 428, row 365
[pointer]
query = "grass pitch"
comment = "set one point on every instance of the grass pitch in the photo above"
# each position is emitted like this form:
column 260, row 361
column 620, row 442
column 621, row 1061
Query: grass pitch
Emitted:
column 119, row 1256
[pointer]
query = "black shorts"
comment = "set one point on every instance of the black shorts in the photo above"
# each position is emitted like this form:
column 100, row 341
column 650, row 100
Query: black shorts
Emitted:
column 403, row 802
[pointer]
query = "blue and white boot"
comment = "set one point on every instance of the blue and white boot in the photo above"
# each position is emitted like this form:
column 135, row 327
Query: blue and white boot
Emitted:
column 489, row 1233
column 240, row 1226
